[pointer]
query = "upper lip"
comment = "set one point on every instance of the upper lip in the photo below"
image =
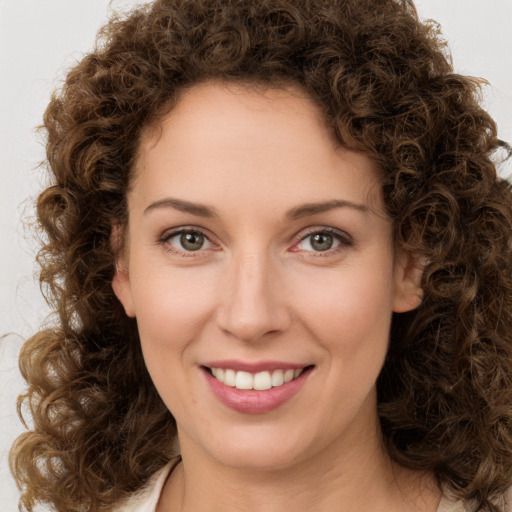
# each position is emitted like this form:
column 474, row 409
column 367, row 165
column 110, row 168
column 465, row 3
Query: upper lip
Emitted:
column 255, row 366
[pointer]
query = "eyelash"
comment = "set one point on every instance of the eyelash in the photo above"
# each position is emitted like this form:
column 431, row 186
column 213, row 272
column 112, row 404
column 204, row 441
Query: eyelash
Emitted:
column 168, row 235
column 343, row 238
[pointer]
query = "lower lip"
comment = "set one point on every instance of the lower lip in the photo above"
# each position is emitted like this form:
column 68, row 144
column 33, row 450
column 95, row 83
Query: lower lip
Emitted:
column 250, row 401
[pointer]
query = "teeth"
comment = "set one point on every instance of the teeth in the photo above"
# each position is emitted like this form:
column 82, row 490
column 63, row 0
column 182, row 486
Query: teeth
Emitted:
column 229, row 378
column 243, row 380
column 277, row 378
column 259, row 381
column 288, row 375
column 262, row 381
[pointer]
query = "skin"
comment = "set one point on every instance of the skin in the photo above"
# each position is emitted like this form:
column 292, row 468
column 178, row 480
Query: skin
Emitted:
column 258, row 290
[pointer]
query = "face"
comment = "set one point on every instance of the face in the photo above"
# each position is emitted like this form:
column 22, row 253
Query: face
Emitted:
column 260, row 269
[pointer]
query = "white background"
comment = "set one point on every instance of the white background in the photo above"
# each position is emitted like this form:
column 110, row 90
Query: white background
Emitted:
column 40, row 39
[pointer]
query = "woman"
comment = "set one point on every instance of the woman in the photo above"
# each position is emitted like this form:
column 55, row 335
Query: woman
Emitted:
column 280, row 256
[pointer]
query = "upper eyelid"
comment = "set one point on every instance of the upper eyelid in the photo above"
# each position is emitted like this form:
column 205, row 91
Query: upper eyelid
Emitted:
column 169, row 233
column 301, row 235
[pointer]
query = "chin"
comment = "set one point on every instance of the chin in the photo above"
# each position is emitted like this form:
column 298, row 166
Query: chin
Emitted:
column 259, row 449
column 258, row 460
column 272, row 456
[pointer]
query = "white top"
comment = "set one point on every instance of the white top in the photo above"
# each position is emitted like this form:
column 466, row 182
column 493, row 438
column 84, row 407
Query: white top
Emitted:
column 147, row 498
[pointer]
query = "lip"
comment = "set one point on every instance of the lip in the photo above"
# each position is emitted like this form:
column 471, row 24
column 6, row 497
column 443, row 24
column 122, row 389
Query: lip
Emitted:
column 250, row 401
column 254, row 367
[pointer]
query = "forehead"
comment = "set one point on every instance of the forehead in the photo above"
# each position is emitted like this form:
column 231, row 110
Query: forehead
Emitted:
column 225, row 140
column 208, row 109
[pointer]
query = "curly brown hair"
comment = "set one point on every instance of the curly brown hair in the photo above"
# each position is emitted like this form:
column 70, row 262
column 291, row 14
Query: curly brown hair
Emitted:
column 385, row 84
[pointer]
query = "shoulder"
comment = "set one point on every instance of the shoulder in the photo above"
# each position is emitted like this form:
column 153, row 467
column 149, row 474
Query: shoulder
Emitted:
column 146, row 499
column 450, row 504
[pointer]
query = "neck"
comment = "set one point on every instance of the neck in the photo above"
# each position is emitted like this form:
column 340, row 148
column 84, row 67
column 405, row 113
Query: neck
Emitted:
column 340, row 478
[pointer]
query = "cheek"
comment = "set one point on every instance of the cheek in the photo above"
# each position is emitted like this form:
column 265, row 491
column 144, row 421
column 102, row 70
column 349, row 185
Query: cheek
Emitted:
column 349, row 310
column 172, row 306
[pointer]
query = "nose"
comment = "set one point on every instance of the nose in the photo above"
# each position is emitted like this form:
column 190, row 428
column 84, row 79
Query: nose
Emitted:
column 253, row 304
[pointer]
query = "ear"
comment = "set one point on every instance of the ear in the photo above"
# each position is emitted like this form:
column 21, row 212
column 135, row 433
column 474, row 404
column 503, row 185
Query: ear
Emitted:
column 408, row 275
column 121, row 280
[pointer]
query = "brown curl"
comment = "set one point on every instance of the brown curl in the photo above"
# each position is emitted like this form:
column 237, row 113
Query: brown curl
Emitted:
column 386, row 87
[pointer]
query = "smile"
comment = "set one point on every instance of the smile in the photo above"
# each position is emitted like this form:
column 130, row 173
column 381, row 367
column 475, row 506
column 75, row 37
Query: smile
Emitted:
column 260, row 381
column 255, row 388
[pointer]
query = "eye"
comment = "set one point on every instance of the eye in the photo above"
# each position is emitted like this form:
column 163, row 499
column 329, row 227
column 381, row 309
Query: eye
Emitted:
column 318, row 242
column 324, row 240
column 187, row 240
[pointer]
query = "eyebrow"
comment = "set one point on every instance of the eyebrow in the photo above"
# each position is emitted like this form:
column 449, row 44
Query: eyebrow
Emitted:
column 309, row 209
column 197, row 209
column 298, row 212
